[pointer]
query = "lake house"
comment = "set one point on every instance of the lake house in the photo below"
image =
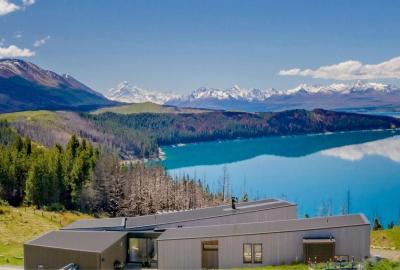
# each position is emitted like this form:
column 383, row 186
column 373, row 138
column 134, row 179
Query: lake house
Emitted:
column 265, row 232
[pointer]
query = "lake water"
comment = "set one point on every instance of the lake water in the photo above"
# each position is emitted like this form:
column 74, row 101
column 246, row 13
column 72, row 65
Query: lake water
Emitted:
column 323, row 174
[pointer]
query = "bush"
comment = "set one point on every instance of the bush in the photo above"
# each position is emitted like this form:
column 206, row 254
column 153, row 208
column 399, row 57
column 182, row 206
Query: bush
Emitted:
column 4, row 203
column 383, row 265
column 377, row 225
column 55, row 207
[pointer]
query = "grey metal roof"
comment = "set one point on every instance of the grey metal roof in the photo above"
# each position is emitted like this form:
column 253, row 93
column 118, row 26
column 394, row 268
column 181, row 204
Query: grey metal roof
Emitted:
column 204, row 213
column 88, row 241
column 264, row 227
column 96, row 223
column 152, row 221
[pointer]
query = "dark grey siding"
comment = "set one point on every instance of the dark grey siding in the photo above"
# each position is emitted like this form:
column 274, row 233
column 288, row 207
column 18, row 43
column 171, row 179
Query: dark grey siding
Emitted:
column 53, row 258
column 90, row 250
column 116, row 252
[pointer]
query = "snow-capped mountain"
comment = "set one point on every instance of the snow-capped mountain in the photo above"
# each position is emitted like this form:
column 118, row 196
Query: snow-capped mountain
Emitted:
column 26, row 86
column 125, row 92
column 47, row 78
column 234, row 92
column 342, row 88
column 334, row 96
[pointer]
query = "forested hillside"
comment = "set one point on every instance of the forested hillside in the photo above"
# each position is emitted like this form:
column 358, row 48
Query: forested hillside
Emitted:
column 35, row 175
column 136, row 136
column 81, row 177
column 167, row 129
column 51, row 128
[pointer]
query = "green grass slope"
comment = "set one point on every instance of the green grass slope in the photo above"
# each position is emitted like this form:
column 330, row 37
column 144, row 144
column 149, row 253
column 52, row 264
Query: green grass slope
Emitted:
column 18, row 225
column 387, row 239
column 146, row 107
column 41, row 116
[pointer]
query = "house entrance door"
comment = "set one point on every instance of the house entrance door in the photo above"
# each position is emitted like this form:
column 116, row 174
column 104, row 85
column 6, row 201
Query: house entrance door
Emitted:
column 209, row 255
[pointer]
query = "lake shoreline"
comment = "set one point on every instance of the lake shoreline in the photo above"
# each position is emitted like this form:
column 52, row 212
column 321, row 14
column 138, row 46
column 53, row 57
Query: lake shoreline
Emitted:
column 163, row 147
column 316, row 169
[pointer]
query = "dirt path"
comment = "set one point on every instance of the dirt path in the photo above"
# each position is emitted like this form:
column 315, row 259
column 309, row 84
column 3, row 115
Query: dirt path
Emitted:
column 386, row 253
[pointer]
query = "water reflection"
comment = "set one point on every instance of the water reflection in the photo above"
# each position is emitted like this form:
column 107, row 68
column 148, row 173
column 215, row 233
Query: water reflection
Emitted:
column 349, row 146
column 388, row 148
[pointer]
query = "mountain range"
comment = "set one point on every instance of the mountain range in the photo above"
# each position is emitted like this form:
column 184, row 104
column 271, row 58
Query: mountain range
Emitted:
column 358, row 95
column 25, row 86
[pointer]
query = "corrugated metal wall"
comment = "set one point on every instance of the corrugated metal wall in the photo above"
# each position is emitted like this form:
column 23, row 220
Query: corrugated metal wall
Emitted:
column 278, row 248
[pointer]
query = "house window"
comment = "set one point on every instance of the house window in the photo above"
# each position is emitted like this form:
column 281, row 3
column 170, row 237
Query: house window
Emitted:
column 247, row 253
column 210, row 245
column 257, row 249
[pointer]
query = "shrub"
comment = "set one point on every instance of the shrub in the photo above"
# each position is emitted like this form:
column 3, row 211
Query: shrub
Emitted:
column 3, row 203
column 383, row 265
column 55, row 207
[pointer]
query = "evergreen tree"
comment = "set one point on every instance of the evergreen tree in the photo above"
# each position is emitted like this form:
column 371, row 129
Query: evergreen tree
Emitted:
column 37, row 183
column 377, row 224
column 391, row 225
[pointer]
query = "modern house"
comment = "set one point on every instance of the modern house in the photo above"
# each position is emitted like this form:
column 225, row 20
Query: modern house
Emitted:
column 256, row 233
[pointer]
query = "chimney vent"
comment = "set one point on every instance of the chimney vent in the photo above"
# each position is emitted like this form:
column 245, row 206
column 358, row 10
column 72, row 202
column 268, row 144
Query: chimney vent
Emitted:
column 234, row 201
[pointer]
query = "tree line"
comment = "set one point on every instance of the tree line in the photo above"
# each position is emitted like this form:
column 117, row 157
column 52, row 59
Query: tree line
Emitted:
column 32, row 174
column 80, row 177
column 151, row 130
column 139, row 189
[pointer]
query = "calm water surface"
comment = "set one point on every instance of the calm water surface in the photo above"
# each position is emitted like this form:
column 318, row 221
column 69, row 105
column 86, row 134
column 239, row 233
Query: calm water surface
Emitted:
column 322, row 173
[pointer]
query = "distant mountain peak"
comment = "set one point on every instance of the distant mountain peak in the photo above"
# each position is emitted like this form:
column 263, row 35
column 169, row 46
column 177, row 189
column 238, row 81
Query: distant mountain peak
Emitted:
column 342, row 88
column 125, row 92
column 16, row 67
column 335, row 95
column 26, row 86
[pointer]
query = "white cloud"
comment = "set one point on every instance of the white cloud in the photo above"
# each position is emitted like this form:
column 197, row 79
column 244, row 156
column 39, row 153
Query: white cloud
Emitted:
column 2, row 41
column 7, row 7
column 28, row 2
column 18, row 35
column 41, row 42
column 14, row 51
column 350, row 70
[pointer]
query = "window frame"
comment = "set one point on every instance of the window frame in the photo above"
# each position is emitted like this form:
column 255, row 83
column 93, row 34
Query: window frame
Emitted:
column 209, row 245
column 251, row 253
column 254, row 253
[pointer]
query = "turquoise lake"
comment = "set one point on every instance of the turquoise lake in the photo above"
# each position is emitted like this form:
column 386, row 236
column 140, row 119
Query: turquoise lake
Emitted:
column 323, row 173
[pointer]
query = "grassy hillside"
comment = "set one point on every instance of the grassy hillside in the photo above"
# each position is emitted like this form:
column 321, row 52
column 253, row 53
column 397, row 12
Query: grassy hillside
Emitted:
column 147, row 107
column 17, row 225
column 31, row 116
column 388, row 239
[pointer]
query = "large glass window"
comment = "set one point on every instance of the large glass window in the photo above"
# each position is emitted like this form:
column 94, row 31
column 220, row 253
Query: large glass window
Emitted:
column 247, row 253
column 142, row 250
column 257, row 249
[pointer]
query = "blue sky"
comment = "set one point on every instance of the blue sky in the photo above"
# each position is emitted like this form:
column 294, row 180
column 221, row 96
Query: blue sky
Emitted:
column 182, row 45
